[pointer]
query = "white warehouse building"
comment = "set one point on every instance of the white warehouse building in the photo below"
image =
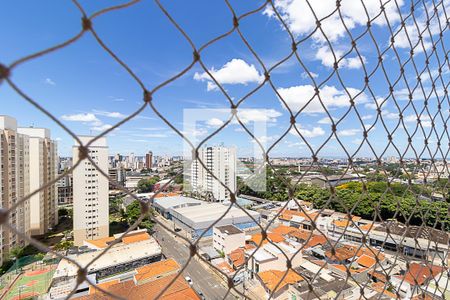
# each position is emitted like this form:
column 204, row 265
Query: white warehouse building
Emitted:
column 196, row 219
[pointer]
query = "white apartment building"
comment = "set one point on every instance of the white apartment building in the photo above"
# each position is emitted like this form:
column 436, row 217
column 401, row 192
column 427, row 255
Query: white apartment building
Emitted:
column 43, row 168
column 14, row 183
column 221, row 161
column 90, row 193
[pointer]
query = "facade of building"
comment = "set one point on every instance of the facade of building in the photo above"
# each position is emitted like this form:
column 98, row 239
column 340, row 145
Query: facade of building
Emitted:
column 65, row 190
column 43, row 162
column 221, row 161
column 118, row 175
column 149, row 160
column 90, row 193
column 14, row 181
column 228, row 238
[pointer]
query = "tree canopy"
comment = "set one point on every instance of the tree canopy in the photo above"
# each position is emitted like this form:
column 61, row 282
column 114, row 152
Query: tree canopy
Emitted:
column 146, row 185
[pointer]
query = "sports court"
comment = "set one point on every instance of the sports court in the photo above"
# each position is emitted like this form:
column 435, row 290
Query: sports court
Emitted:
column 31, row 283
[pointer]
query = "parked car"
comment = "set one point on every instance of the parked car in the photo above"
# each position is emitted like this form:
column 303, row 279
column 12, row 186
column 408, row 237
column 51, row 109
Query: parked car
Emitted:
column 189, row 280
column 200, row 294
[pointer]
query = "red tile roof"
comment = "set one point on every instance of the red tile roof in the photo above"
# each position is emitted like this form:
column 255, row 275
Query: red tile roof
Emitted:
column 237, row 257
column 366, row 261
column 418, row 274
column 156, row 270
column 179, row 289
column 272, row 278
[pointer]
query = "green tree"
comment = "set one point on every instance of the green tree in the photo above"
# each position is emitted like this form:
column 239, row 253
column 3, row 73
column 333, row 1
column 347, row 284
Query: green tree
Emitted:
column 15, row 252
column 133, row 213
column 146, row 185
column 63, row 245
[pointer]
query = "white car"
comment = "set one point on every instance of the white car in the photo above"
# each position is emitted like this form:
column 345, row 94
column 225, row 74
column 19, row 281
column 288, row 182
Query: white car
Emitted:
column 189, row 280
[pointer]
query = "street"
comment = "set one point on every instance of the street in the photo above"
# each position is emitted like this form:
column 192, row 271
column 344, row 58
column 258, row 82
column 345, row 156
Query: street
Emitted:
column 203, row 280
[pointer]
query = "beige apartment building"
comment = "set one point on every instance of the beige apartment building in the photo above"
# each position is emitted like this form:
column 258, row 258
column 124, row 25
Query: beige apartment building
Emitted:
column 221, row 161
column 14, row 183
column 43, row 168
column 90, row 193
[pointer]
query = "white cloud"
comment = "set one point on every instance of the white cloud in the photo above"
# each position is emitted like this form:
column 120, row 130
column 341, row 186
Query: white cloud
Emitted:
column 116, row 99
column 101, row 127
column 298, row 96
column 327, row 58
column 348, row 132
column 109, row 114
column 326, row 120
column 214, row 122
column 425, row 120
column 236, row 71
column 264, row 139
column 367, row 117
column 357, row 141
column 295, row 144
column 83, row 117
column 305, row 75
column 389, row 115
column 195, row 132
column 300, row 20
column 58, row 139
column 49, row 81
column 153, row 128
column 308, row 133
column 152, row 135
column 372, row 105
column 258, row 115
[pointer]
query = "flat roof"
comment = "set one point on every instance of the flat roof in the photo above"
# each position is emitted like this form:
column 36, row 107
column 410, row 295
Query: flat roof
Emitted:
column 116, row 255
column 413, row 231
column 229, row 229
column 175, row 201
column 202, row 216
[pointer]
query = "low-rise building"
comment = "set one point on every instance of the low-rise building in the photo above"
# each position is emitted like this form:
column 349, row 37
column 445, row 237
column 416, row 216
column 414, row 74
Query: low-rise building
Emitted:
column 132, row 251
column 165, row 205
column 228, row 238
column 335, row 180
column 197, row 220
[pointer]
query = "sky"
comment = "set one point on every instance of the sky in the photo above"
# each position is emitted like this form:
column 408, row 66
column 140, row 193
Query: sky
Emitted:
column 89, row 91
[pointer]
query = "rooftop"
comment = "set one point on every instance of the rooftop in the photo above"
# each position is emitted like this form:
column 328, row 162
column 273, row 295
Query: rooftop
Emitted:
column 272, row 278
column 423, row 232
column 175, row 202
column 116, row 255
column 229, row 229
column 100, row 243
column 136, row 237
column 156, row 270
column 237, row 257
column 201, row 216
column 418, row 274
column 128, row 290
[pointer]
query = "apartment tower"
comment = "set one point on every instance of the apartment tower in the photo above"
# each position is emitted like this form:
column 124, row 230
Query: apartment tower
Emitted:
column 149, row 160
column 221, row 161
column 14, row 183
column 90, row 193
column 43, row 169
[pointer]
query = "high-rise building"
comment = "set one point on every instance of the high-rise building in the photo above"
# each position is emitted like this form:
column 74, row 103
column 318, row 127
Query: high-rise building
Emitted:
column 149, row 160
column 221, row 161
column 14, row 182
column 43, row 169
column 65, row 190
column 118, row 175
column 90, row 193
